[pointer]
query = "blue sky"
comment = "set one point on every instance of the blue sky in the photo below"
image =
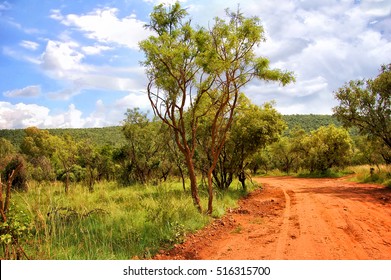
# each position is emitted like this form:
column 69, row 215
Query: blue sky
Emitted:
column 76, row 63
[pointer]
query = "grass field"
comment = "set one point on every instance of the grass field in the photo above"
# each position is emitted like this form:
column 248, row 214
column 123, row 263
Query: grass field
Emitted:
column 112, row 222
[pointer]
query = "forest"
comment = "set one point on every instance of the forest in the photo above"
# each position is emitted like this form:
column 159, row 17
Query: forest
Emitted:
column 128, row 191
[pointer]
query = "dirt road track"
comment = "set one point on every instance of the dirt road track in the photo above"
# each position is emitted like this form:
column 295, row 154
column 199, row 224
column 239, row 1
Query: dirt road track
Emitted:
column 294, row 218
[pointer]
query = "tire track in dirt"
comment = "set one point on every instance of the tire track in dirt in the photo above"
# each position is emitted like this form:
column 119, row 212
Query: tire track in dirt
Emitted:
column 293, row 218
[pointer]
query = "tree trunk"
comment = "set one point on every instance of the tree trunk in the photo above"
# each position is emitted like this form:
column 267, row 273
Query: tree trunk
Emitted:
column 210, row 191
column 67, row 182
column 91, row 181
column 193, row 182
column 242, row 179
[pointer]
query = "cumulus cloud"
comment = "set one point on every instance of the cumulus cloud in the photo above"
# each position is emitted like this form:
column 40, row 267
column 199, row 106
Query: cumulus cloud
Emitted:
column 29, row 91
column 23, row 115
column 325, row 43
column 104, row 26
column 62, row 58
column 64, row 61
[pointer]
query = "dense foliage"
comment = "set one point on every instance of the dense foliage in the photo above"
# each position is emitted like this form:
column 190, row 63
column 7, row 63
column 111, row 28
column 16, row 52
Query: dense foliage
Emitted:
column 366, row 104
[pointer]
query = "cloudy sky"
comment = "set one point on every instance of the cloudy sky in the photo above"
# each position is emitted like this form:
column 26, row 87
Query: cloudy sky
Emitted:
column 76, row 63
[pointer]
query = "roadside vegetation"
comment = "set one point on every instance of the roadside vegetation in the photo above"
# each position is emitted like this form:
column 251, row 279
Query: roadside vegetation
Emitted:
column 129, row 191
column 113, row 222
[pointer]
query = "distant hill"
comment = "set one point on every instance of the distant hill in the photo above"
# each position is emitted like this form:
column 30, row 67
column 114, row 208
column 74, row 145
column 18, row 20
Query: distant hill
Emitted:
column 309, row 122
column 101, row 136
column 113, row 135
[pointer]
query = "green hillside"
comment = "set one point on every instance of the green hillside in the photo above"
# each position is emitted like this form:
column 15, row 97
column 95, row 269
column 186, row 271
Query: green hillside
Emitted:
column 101, row 136
column 113, row 135
column 309, row 122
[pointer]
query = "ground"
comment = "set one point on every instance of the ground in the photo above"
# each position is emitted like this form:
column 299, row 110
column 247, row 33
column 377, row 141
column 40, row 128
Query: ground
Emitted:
column 295, row 218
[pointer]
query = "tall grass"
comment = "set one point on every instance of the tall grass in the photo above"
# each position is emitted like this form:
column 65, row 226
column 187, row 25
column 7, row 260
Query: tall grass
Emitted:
column 380, row 174
column 113, row 222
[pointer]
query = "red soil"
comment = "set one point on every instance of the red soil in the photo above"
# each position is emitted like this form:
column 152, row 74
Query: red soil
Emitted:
column 292, row 218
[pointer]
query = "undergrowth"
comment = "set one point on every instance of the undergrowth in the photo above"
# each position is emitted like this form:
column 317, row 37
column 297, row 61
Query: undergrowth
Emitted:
column 380, row 174
column 329, row 173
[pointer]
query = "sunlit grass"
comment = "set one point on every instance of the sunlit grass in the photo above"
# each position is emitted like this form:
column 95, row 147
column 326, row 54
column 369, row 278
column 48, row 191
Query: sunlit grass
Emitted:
column 113, row 222
column 380, row 174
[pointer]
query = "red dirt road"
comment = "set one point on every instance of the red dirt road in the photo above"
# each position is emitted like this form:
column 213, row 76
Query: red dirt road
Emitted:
column 294, row 218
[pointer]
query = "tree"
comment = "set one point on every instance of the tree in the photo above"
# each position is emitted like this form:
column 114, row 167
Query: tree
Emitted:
column 144, row 145
column 66, row 155
column 328, row 146
column 89, row 158
column 289, row 152
column 232, row 62
column 366, row 104
column 176, row 83
column 6, row 148
column 37, row 145
column 252, row 129
column 204, row 71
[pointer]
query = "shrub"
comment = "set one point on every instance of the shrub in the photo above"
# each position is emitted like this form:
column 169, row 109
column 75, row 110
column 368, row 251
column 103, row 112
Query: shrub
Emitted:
column 20, row 180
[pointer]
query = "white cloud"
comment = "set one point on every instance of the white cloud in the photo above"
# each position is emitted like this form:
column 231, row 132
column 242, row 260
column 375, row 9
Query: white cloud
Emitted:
column 133, row 100
column 64, row 61
column 104, row 26
column 29, row 91
column 23, row 115
column 30, row 45
column 166, row 2
column 62, row 58
column 94, row 50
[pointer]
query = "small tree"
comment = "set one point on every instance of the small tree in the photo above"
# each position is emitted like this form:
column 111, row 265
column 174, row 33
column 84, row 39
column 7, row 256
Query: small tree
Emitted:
column 252, row 129
column 328, row 147
column 89, row 158
column 66, row 155
column 143, row 146
column 6, row 148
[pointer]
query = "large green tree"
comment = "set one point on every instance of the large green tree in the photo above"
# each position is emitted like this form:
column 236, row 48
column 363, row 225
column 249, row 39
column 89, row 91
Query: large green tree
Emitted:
column 202, row 72
column 175, row 80
column 366, row 104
